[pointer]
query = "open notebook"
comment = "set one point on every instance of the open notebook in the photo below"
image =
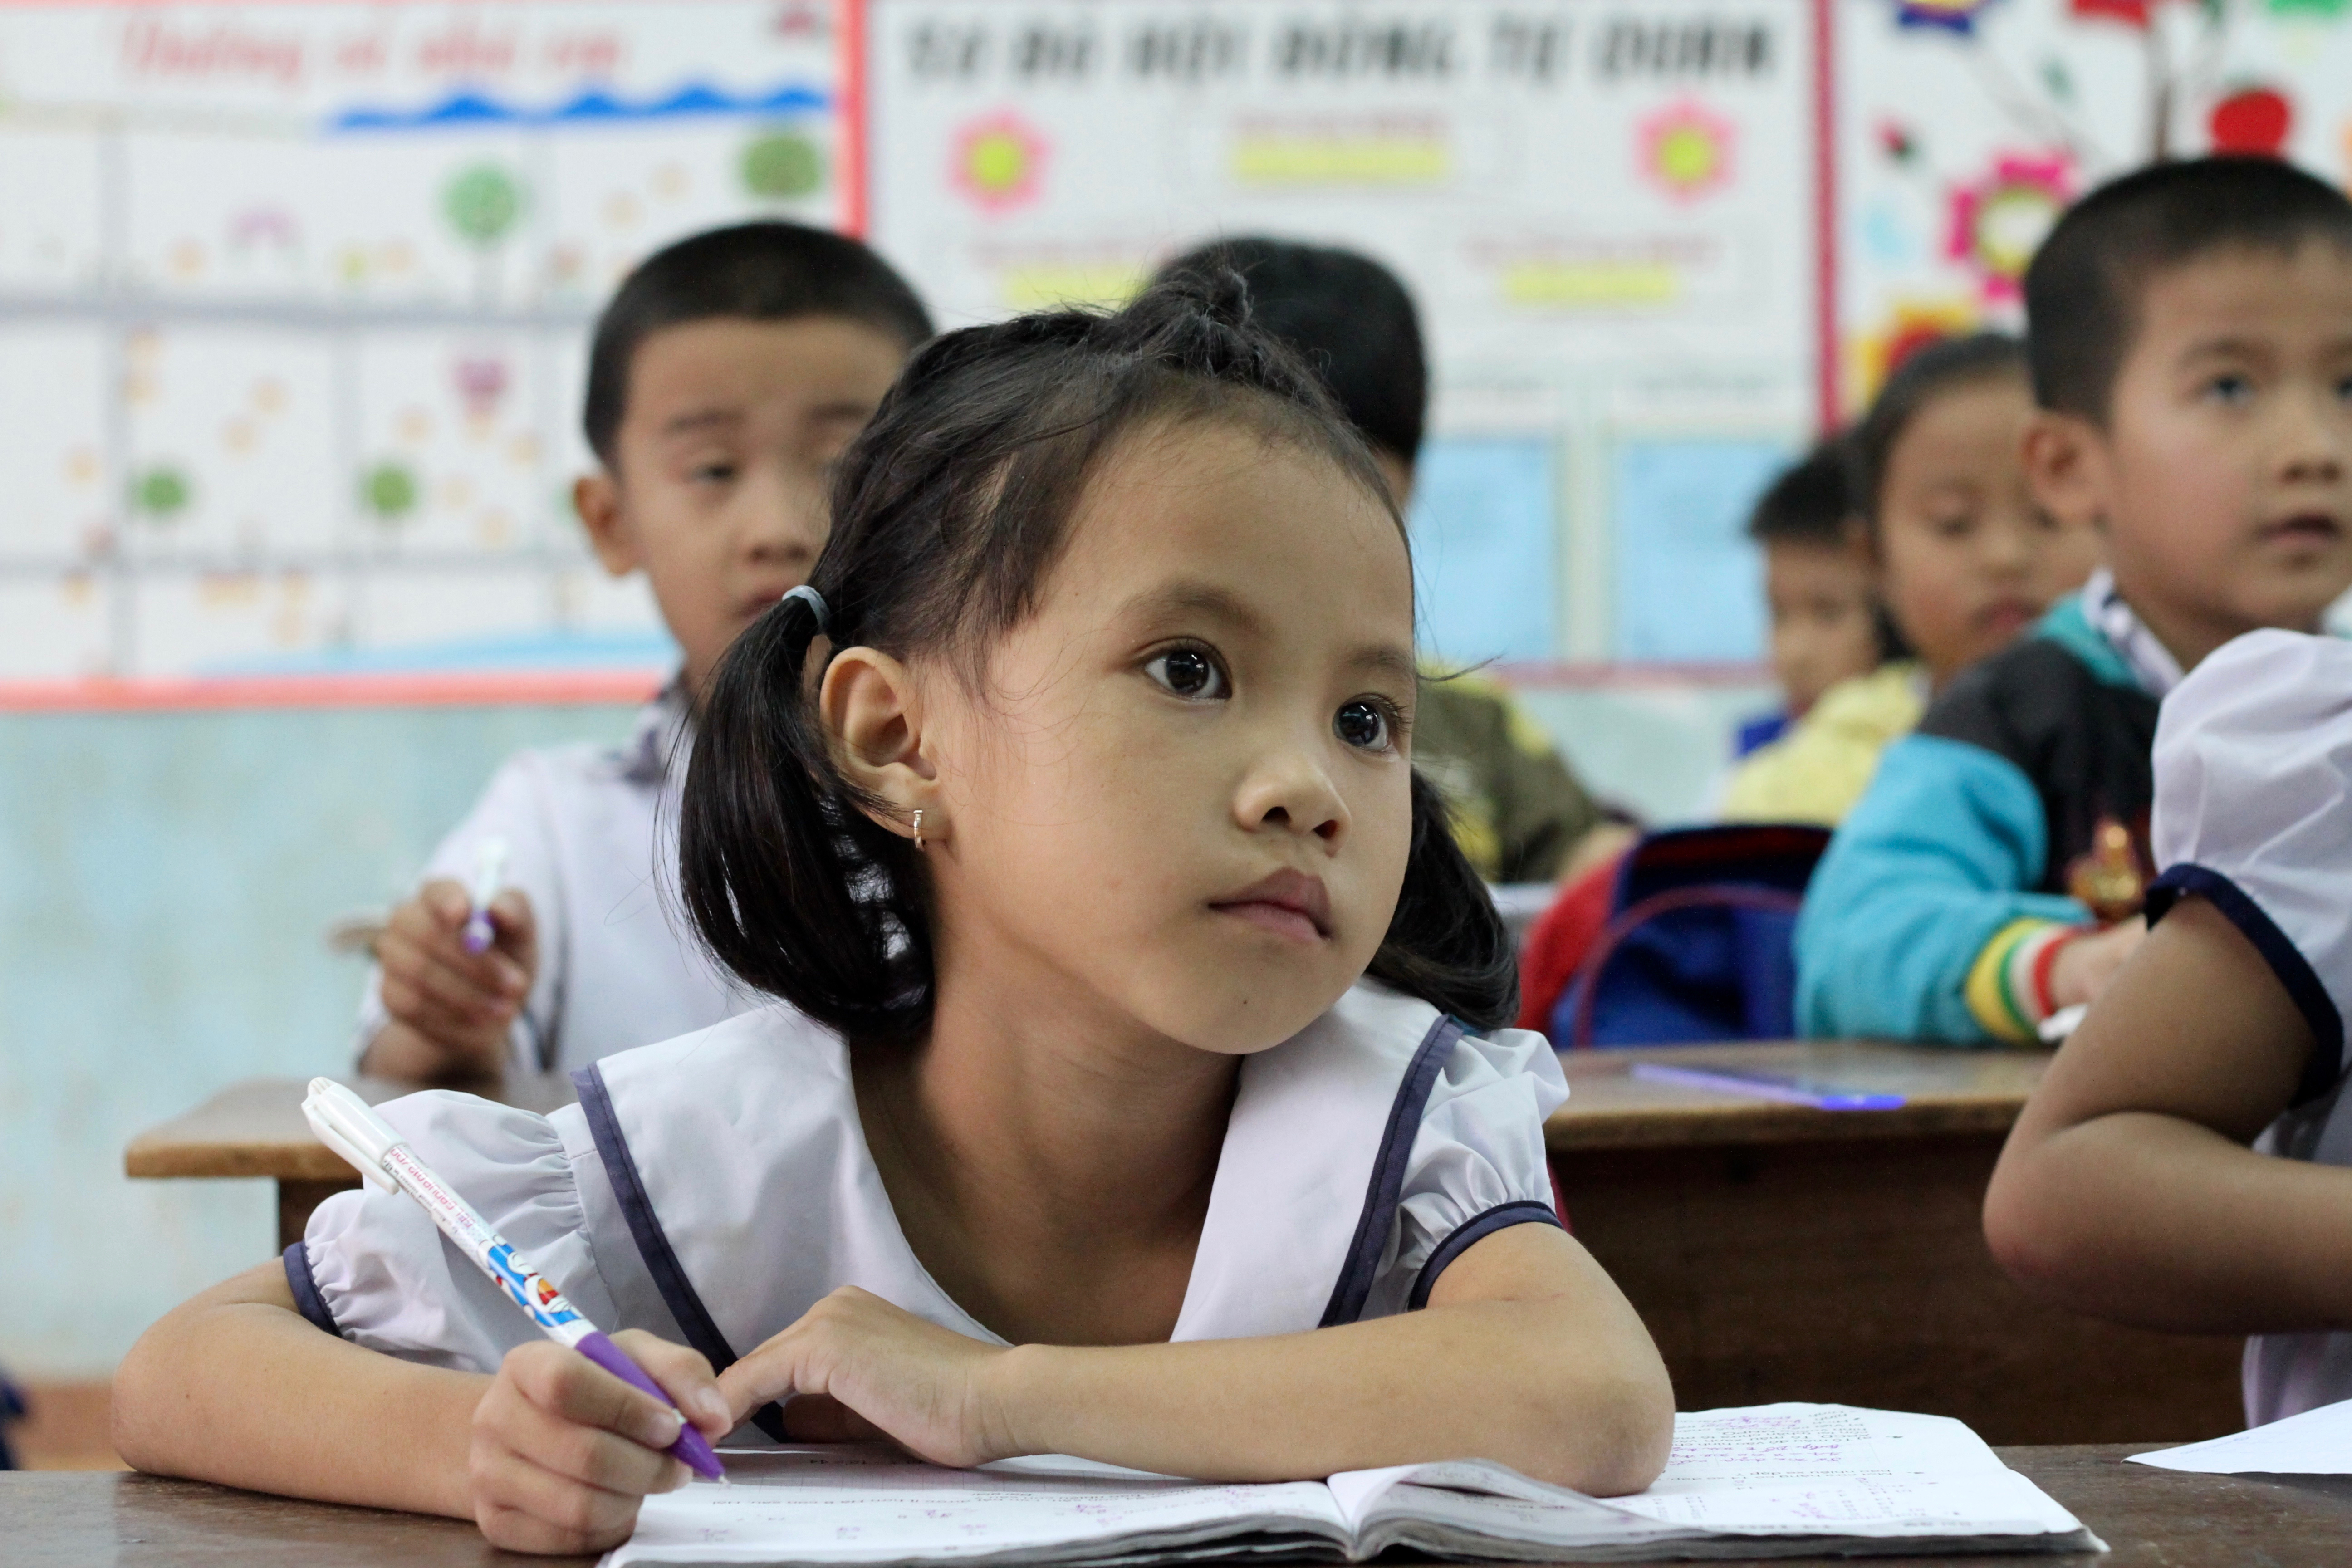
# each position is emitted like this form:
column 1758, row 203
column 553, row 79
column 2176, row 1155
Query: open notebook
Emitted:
column 1775, row 1480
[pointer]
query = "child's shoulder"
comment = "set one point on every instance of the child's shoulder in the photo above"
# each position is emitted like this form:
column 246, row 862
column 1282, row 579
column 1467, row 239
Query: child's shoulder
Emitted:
column 2284, row 680
column 549, row 786
column 2254, row 814
column 2039, row 693
column 2253, row 762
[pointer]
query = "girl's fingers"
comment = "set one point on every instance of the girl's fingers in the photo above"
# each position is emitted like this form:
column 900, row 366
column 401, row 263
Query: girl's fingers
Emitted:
column 574, row 1517
column 768, row 1373
column 684, row 1375
column 569, row 1387
column 588, row 1455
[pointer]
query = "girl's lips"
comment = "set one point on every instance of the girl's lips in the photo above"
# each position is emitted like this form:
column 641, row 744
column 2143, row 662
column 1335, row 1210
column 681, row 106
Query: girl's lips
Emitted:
column 1276, row 918
column 1289, row 903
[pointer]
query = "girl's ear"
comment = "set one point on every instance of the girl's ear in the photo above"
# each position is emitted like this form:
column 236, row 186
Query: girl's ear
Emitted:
column 2065, row 459
column 872, row 710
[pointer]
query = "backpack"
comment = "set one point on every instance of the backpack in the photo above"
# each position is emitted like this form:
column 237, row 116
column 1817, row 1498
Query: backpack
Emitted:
column 1699, row 943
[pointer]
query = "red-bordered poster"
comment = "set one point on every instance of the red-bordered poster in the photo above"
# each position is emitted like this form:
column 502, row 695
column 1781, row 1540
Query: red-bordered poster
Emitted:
column 1607, row 209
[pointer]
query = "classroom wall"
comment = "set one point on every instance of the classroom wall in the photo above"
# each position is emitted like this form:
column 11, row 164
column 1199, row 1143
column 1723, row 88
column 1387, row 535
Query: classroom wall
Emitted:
column 166, row 880
column 165, row 883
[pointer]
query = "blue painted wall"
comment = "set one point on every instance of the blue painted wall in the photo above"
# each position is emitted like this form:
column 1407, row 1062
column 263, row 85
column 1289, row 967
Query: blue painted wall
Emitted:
column 165, row 883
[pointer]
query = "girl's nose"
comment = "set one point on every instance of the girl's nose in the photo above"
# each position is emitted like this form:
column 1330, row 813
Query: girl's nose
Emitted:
column 1289, row 791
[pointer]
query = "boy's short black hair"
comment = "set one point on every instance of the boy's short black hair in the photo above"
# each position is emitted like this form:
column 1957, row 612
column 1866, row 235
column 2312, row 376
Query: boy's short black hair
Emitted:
column 2083, row 290
column 1808, row 503
column 1348, row 316
column 769, row 271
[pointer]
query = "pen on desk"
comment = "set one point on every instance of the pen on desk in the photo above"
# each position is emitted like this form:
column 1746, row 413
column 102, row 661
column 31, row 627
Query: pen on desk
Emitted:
column 346, row 1124
column 1758, row 1085
column 489, row 866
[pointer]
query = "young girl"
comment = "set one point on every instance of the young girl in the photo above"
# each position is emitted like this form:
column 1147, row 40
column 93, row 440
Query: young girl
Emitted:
column 1963, row 561
column 1129, row 1104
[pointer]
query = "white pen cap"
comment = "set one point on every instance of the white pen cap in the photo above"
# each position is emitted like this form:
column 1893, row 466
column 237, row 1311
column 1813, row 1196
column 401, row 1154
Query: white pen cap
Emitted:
column 345, row 1123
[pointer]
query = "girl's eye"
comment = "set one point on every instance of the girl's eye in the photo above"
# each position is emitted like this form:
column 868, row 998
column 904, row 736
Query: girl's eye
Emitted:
column 1363, row 724
column 1188, row 673
column 714, row 473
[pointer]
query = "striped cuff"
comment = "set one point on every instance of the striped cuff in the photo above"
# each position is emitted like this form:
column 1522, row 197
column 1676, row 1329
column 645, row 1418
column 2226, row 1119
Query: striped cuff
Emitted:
column 2004, row 992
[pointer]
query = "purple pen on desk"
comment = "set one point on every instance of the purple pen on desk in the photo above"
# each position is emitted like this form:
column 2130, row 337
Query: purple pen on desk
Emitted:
column 1787, row 1090
column 346, row 1124
column 489, row 868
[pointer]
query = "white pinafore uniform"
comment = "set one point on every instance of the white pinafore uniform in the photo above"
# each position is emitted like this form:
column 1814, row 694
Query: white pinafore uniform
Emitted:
column 712, row 1189
column 2254, row 814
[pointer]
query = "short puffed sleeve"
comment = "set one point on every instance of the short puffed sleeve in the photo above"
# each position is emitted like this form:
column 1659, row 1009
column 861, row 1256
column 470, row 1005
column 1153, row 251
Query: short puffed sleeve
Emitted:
column 373, row 1267
column 1477, row 1165
column 2253, row 759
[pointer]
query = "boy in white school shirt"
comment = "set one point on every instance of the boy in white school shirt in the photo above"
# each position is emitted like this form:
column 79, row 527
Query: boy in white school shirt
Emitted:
column 724, row 378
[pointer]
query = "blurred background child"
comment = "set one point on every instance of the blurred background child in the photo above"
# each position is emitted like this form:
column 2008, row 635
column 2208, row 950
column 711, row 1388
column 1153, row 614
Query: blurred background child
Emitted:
column 1519, row 812
column 2180, row 318
column 1824, row 616
column 1958, row 559
column 725, row 375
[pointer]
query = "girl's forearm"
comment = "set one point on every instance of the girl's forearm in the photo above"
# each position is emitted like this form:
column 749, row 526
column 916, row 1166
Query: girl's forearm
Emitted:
column 235, row 1386
column 1530, row 1383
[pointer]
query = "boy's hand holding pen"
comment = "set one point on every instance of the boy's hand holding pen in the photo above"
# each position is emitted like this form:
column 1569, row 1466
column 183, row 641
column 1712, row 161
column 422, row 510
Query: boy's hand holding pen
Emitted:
column 458, row 964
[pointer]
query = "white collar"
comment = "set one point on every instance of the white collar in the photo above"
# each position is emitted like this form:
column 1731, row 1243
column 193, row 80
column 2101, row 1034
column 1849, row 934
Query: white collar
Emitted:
column 2151, row 662
column 659, row 738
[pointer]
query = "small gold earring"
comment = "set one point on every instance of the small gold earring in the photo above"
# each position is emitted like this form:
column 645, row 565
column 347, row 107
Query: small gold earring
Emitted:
column 919, row 827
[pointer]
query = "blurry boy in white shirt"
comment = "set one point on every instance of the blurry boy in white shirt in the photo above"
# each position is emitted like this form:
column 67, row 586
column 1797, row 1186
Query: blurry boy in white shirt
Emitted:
column 725, row 377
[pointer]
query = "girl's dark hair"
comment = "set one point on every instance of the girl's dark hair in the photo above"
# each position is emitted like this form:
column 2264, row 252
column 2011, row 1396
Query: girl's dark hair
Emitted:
column 948, row 511
column 1925, row 375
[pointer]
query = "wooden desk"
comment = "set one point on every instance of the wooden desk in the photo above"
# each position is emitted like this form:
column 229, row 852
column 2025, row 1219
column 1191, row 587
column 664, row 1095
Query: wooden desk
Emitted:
column 1783, row 1252
column 2153, row 1519
column 256, row 1129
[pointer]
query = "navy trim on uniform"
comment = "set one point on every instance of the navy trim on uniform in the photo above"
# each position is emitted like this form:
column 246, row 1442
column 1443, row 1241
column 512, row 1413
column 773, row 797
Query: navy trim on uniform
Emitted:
column 2287, row 961
column 307, row 1298
column 1355, row 1286
column 677, row 1292
column 1477, row 1227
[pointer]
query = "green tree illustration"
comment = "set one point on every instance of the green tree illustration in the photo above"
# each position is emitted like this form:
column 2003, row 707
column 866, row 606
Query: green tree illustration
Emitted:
column 782, row 164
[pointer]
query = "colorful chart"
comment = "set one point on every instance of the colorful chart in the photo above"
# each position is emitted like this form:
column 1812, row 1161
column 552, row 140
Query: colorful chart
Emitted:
column 292, row 302
column 292, row 295
column 1601, row 208
column 1964, row 126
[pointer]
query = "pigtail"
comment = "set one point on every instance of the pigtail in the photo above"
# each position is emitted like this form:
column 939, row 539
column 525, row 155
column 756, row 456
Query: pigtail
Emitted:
column 1445, row 944
column 790, row 884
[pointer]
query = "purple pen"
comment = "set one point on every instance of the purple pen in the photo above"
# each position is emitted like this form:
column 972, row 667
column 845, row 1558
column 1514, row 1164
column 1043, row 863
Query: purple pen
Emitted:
column 1766, row 1086
column 490, row 867
column 349, row 1126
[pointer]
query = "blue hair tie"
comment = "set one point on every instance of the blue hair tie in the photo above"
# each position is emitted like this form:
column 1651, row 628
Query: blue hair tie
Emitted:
column 815, row 602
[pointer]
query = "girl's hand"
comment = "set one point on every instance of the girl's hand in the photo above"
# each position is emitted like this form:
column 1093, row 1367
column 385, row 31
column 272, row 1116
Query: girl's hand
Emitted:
column 564, row 1451
column 927, row 1388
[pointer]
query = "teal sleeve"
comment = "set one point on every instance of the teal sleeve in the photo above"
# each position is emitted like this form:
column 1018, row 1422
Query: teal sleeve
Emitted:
column 1934, row 858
